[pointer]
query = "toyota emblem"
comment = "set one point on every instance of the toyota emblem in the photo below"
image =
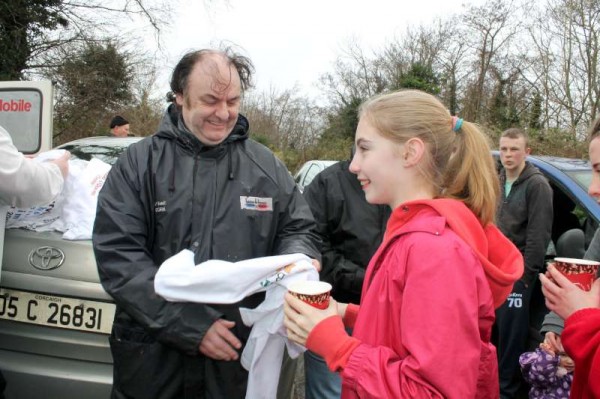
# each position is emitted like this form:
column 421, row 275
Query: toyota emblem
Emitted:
column 46, row 258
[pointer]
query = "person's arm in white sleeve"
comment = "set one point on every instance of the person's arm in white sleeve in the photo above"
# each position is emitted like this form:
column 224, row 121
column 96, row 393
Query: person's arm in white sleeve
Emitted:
column 27, row 183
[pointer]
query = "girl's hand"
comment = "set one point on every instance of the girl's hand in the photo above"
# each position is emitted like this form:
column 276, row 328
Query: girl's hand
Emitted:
column 300, row 318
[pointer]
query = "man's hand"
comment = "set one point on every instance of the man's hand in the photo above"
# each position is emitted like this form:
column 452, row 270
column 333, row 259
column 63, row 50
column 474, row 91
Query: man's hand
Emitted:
column 219, row 343
column 63, row 163
column 563, row 297
column 316, row 264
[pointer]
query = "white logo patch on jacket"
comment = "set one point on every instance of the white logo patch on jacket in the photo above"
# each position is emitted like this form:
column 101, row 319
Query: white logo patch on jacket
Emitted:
column 160, row 206
column 256, row 204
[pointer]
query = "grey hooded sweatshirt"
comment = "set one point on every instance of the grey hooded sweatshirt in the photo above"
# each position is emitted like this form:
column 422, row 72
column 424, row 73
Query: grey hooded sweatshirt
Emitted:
column 525, row 217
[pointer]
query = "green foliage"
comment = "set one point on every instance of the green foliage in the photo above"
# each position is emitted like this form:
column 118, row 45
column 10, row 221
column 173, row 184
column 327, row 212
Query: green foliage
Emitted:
column 343, row 123
column 97, row 71
column 263, row 139
column 93, row 83
column 542, row 142
column 419, row 77
column 333, row 148
column 338, row 136
column 547, row 142
column 557, row 142
column 535, row 112
column 502, row 113
column 144, row 115
column 292, row 159
column 329, row 148
column 22, row 25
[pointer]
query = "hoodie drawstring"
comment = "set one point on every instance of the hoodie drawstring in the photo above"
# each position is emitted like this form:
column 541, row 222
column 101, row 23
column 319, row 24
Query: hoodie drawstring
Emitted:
column 230, row 162
column 172, row 177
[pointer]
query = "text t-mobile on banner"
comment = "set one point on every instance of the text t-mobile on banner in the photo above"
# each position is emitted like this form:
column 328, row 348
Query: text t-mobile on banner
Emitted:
column 26, row 113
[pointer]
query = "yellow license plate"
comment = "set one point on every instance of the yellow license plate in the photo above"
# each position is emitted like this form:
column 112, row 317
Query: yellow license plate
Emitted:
column 56, row 311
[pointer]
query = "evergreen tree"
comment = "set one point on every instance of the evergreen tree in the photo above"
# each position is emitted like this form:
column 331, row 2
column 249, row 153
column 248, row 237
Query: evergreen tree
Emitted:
column 419, row 77
column 535, row 114
column 22, row 24
column 92, row 83
column 343, row 123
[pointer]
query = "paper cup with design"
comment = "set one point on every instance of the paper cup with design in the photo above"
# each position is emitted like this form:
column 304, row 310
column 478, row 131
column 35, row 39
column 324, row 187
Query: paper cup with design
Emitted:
column 315, row 293
column 581, row 272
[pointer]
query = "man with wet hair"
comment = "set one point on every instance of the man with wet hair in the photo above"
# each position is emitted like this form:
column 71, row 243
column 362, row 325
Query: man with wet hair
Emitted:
column 199, row 183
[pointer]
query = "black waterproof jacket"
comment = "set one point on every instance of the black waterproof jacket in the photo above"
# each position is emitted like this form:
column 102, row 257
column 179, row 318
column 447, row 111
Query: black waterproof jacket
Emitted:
column 525, row 217
column 351, row 229
column 168, row 192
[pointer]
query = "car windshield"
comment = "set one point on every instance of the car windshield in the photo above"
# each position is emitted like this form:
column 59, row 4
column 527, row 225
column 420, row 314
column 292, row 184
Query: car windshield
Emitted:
column 108, row 153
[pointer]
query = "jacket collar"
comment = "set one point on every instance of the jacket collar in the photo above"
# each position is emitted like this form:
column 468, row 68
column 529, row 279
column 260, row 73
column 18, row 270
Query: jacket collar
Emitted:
column 526, row 173
column 398, row 223
column 172, row 127
column 501, row 260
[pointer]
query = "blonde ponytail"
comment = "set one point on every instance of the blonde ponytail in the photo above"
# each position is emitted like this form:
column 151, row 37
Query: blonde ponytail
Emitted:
column 471, row 174
column 459, row 163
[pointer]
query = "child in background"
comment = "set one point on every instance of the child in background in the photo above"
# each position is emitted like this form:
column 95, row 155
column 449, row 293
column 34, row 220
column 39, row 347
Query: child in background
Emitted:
column 550, row 374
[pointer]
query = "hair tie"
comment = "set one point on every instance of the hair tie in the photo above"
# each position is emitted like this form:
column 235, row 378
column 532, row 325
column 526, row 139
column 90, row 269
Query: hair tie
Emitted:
column 456, row 123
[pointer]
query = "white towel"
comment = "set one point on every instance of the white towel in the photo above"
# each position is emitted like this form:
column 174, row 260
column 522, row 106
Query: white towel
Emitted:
column 215, row 281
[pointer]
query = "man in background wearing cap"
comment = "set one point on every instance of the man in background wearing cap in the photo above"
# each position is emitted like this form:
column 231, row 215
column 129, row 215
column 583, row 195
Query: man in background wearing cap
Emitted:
column 119, row 127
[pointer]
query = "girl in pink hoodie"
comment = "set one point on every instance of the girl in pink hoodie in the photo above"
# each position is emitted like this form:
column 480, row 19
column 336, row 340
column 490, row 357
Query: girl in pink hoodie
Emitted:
column 424, row 324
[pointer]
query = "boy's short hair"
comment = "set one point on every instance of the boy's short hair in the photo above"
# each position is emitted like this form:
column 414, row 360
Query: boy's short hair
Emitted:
column 515, row 133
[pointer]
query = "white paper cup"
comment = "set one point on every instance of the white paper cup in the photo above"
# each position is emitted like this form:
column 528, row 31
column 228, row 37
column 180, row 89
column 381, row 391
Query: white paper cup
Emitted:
column 315, row 293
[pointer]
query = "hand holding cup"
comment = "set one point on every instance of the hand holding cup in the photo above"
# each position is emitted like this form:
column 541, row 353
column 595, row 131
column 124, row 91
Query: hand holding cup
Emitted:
column 305, row 306
column 564, row 297
column 315, row 293
column 581, row 272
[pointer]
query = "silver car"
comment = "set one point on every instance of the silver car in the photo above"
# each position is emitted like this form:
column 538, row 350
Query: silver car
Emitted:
column 55, row 317
column 309, row 170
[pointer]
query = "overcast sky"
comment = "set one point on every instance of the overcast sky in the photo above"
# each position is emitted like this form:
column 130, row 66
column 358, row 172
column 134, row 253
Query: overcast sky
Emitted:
column 295, row 42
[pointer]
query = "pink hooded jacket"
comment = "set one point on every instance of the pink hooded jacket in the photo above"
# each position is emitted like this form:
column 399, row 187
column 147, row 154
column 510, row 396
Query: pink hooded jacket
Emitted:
column 423, row 328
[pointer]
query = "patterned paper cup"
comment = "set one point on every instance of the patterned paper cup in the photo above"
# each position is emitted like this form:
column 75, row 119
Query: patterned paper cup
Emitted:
column 581, row 272
column 315, row 293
